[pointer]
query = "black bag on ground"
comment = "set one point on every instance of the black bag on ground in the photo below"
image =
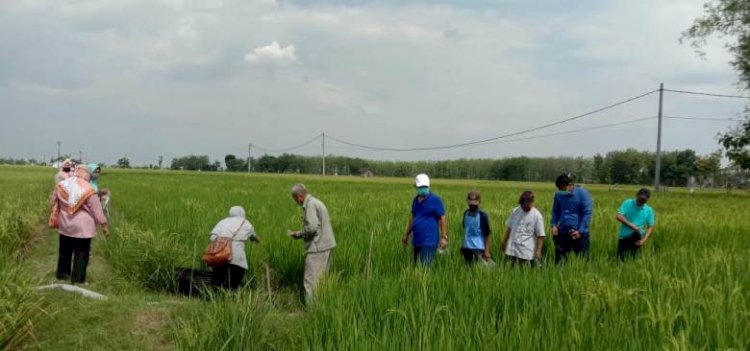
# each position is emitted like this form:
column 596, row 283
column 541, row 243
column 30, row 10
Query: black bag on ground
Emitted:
column 192, row 282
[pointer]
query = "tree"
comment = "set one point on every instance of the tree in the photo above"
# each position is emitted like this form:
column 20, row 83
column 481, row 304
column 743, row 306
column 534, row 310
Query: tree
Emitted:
column 736, row 142
column 707, row 167
column 192, row 163
column 123, row 162
column 730, row 19
column 234, row 164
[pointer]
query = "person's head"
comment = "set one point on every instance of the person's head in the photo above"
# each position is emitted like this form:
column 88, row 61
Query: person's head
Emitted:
column 526, row 201
column 473, row 199
column 95, row 170
column 237, row 211
column 422, row 183
column 82, row 172
column 564, row 182
column 642, row 196
column 67, row 165
column 299, row 192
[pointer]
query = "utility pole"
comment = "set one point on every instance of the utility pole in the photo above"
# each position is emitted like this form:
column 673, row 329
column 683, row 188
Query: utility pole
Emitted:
column 58, row 150
column 80, row 156
column 324, row 153
column 657, row 171
column 249, row 156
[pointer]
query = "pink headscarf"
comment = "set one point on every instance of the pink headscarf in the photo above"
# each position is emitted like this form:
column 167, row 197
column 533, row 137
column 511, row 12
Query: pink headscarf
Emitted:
column 76, row 190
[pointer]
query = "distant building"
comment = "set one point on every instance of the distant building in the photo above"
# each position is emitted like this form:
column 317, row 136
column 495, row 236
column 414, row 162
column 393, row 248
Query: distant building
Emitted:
column 367, row 174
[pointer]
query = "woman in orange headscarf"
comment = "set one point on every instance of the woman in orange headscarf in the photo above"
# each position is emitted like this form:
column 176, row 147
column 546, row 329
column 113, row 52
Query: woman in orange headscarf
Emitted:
column 78, row 211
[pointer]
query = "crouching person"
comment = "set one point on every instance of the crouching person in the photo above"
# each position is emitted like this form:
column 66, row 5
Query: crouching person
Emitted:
column 524, row 235
column 231, row 233
column 637, row 219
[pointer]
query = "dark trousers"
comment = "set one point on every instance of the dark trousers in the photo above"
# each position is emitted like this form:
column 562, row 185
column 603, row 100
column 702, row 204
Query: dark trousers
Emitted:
column 471, row 256
column 227, row 276
column 76, row 250
column 627, row 247
column 424, row 255
column 564, row 244
column 515, row 261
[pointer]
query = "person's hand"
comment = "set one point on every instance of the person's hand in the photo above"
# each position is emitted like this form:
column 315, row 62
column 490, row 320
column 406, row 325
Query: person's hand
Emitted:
column 636, row 228
column 640, row 242
column 295, row 235
column 575, row 235
column 405, row 240
column 485, row 257
column 105, row 230
column 443, row 243
column 554, row 230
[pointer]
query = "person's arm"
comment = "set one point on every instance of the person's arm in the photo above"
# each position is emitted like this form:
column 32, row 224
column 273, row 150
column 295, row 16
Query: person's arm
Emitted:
column 587, row 211
column 311, row 220
column 443, row 232
column 621, row 218
column 485, row 224
column 407, row 232
column 252, row 235
column 504, row 245
column 648, row 231
column 555, row 216
column 539, row 232
column 98, row 213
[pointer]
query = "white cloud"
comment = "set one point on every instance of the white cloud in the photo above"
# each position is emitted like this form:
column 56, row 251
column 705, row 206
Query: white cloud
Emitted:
column 273, row 55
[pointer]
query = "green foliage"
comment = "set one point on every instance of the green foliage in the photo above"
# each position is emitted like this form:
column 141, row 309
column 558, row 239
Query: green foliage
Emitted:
column 687, row 290
column 730, row 19
column 22, row 206
column 194, row 163
column 619, row 167
column 123, row 162
column 736, row 142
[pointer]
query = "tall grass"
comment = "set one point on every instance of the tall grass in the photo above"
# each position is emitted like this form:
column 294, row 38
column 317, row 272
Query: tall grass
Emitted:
column 688, row 290
column 23, row 194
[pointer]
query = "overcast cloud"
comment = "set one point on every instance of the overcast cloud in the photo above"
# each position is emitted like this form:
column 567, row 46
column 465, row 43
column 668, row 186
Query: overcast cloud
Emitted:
column 149, row 78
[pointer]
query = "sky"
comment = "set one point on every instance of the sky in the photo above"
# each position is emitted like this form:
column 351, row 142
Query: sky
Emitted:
column 146, row 78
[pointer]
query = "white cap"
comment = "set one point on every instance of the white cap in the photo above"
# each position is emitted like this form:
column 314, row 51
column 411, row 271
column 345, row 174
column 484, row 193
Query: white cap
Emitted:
column 422, row 180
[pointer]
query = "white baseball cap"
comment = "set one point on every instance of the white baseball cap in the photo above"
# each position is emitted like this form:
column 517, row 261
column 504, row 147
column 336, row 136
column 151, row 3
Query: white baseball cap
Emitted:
column 422, row 180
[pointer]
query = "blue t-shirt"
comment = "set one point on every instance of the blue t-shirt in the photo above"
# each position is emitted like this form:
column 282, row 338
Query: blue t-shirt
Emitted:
column 426, row 218
column 642, row 216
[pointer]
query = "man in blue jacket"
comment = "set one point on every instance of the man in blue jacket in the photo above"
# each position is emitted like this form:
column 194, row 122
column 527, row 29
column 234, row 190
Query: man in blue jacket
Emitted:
column 572, row 210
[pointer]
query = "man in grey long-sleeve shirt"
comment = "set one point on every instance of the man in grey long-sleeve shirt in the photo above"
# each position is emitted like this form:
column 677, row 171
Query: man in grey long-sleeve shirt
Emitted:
column 317, row 234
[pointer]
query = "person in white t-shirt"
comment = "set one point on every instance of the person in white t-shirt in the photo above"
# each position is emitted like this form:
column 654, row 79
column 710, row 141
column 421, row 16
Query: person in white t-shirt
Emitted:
column 524, row 234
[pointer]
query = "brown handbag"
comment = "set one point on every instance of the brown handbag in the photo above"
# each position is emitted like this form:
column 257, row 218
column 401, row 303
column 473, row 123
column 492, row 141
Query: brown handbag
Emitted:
column 219, row 251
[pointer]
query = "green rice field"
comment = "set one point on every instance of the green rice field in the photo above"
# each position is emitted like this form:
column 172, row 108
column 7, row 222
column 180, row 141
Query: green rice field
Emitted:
column 689, row 289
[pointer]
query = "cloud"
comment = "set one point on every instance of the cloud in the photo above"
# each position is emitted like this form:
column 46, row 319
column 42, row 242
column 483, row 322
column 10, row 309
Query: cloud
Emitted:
column 273, row 55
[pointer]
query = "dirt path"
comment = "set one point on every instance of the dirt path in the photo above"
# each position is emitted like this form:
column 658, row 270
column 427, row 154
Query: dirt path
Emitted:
column 129, row 319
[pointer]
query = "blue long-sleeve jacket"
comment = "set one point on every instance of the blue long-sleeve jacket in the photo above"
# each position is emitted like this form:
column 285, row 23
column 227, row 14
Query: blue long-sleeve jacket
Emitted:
column 573, row 210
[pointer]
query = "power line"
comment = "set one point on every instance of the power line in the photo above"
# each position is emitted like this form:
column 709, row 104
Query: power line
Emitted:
column 542, row 135
column 290, row 148
column 707, row 94
column 483, row 141
column 574, row 131
column 705, row 119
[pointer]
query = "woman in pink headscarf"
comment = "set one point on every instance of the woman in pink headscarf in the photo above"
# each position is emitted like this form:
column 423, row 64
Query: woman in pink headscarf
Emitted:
column 78, row 211
column 65, row 172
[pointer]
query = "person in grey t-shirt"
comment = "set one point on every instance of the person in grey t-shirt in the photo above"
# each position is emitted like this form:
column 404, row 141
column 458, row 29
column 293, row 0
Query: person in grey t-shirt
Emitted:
column 524, row 235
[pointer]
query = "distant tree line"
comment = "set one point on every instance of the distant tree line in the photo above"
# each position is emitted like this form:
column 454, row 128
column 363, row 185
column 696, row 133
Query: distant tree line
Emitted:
column 678, row 168
column 630, row 166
